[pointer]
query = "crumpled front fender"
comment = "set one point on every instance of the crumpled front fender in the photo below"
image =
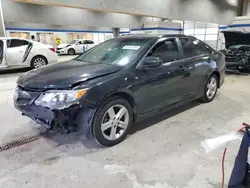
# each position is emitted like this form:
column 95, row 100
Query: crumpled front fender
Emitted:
column 84, row 120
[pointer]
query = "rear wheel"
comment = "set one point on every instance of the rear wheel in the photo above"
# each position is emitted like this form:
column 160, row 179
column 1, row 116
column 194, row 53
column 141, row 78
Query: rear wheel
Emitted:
column 112, row 121
column 210, row 89
column 71, row 51
column 38, row 61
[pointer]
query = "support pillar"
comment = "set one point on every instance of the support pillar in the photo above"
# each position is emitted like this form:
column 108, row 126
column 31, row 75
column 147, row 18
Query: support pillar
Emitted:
column 116, row 32
column 2, row 26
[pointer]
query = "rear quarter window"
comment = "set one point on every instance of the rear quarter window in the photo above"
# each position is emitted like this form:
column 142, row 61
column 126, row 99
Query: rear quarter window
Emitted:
column 193, row 48
column 16, row 43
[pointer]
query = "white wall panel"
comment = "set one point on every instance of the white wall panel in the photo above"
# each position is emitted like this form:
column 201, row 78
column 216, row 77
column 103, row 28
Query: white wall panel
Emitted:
column 214, row 11
column 51, row 15
column 212, row 30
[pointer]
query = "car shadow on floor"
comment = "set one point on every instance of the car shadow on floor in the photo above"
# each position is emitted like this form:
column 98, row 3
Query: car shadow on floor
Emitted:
column 55, row 146
column 161, row 116
column 235, row 72
column 13, row 71
column 76, row 140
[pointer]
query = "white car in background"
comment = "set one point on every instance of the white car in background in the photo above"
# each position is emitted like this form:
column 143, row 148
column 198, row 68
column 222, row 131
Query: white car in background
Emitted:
column 75, row 47
column 17, row 53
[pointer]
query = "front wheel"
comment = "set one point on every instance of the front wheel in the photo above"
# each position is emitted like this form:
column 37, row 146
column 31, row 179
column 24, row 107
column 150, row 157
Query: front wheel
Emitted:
column 71, row 51
column 210, row 89
column 112, row 121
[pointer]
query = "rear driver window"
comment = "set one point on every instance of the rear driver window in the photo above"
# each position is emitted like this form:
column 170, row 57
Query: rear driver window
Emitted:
column 90, row 42
column 192, row 48
column 16, row 43
column 167, row 51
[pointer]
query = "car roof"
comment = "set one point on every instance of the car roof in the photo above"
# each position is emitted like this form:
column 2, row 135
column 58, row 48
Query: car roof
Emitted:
column 153, row 36
column 9, row 38
column 80, row 39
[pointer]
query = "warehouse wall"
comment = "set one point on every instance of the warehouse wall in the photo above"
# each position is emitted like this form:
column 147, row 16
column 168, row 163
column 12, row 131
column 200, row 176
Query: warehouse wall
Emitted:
column 29, row 13
column 54, row 27
column 215, row 11
column 65, row 33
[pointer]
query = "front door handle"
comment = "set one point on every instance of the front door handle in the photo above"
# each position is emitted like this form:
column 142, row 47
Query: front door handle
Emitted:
column 185, row 71
column 183, row 68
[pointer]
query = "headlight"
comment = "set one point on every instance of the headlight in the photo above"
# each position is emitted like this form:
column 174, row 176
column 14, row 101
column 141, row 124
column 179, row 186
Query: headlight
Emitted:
column 59, row 99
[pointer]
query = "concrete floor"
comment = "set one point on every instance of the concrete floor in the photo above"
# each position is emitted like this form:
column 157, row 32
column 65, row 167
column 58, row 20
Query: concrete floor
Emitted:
column 162, row 152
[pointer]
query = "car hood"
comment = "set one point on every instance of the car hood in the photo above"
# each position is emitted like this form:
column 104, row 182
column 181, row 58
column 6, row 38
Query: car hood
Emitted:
column 236, row 38
column 63, row 45
column 64, row 75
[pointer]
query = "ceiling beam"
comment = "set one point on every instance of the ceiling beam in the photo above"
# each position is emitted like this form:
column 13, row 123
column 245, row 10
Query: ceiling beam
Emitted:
column 91, row 9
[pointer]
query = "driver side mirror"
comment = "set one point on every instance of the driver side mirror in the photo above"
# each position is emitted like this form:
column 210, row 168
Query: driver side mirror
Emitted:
column 151, row 62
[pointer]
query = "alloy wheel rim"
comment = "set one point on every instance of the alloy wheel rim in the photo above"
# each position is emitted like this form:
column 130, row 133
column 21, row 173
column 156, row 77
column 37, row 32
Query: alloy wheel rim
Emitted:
column 71, row 52
column 39, row 62
column 115, row 122
column 211, row 88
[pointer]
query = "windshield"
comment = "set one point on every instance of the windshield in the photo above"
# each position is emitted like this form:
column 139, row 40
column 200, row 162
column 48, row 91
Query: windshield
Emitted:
column 73, row 41
column 119, row 51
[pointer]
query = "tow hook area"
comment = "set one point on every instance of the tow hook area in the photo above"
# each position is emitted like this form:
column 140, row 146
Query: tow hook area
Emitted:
column 74, row 119
column 84, row 120
column 64, row 119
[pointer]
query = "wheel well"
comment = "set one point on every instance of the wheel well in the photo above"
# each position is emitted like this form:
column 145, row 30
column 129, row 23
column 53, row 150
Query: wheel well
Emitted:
column 39, row 56
column 129, row 98
column 71, row 49
column 218, row 76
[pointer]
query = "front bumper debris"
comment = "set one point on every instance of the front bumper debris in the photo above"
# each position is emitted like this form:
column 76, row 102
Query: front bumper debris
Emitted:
column 237, row 65
column 237, row 62
column 41, row 115
column 48, row 118
column 78, row 117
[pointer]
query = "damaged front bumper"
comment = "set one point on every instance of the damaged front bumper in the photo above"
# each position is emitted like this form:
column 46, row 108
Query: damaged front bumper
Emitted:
column 237, row 65
column 237, row 62
column 50, row 119
column 76, row 117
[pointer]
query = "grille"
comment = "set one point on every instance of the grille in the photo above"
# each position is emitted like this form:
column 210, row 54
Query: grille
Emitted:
column 25, row 97
column 22, row 101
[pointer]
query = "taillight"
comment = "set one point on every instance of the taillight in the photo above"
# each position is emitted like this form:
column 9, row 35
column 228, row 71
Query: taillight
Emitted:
column 53, row 50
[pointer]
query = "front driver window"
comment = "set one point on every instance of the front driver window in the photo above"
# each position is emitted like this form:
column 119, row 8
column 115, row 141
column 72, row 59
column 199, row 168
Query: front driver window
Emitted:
column 167, row 51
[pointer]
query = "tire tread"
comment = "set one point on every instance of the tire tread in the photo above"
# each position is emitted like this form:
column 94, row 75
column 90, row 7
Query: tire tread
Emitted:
column 96, row 116
column 204, row 97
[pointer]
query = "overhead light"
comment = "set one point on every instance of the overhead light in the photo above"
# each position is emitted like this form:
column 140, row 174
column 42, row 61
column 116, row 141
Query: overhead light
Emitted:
column 232, row 2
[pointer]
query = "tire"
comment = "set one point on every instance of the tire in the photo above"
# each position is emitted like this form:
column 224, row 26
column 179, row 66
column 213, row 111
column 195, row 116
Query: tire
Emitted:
column 71, row 51
column 105, row 135
column 212, row 85
column 38, row 61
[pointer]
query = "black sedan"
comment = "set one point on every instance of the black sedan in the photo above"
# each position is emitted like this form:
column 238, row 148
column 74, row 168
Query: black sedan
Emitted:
column 102, row 92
